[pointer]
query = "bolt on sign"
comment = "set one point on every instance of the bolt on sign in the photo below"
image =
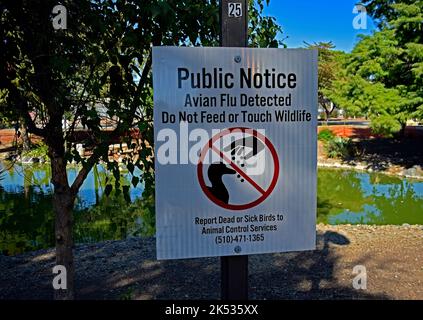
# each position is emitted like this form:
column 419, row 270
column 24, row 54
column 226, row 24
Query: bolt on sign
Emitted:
column 235, row 150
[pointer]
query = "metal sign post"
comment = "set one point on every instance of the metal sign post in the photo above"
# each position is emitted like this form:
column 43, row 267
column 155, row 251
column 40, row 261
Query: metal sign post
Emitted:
column 234, row 33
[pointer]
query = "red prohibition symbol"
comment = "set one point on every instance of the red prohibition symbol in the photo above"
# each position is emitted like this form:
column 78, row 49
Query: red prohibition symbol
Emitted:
column 264, row 193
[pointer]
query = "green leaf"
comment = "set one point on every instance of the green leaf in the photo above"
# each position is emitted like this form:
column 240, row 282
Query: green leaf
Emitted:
column 130, row 167
column 135, row 181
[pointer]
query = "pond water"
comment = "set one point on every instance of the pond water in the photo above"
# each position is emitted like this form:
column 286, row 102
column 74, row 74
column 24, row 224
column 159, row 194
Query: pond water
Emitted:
column 26, row 215
column 352, row 197
column 27, row 221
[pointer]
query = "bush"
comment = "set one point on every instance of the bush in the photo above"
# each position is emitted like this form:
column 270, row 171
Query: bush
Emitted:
column 386, row 126
column 339, row 147
column 326, row 135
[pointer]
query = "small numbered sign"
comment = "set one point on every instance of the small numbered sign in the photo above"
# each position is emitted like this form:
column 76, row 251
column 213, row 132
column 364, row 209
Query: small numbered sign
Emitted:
column 235, row 9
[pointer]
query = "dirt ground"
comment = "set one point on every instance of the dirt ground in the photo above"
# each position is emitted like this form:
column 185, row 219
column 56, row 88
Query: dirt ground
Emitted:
column 392, row 256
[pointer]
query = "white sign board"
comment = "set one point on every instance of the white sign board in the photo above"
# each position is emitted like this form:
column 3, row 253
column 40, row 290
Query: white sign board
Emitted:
column 235, row 150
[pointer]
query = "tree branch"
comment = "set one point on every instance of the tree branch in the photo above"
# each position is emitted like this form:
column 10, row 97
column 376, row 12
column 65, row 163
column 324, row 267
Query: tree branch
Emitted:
column 93, row 159
column 23, row 111
column 32, row 127
column 83, row 173
column 78, row 105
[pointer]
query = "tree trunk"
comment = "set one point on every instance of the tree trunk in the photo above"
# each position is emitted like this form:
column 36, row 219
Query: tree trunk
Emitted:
column 402, row 131
column 63, row 201
column 26, row 142
column 327, row 116
column 326, row 105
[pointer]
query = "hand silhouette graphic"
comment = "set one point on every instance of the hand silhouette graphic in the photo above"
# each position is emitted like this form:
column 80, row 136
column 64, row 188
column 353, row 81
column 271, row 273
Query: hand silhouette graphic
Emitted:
column 245, row 147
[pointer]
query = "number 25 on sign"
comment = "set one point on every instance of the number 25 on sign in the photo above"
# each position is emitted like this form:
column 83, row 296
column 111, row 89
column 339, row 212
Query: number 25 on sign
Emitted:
column 234, row 9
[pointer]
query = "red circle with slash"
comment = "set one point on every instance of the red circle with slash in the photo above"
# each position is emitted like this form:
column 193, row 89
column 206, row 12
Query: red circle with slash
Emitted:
column 264, row 193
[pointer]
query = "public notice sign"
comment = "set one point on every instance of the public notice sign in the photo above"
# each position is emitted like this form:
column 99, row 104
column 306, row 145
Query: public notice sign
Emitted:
column 235, row 150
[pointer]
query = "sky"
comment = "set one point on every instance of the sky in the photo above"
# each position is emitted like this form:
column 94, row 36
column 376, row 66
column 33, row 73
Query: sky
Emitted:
column 317, row 20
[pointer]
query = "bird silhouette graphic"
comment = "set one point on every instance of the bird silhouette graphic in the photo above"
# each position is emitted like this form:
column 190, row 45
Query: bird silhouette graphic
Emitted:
column 215, row 173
